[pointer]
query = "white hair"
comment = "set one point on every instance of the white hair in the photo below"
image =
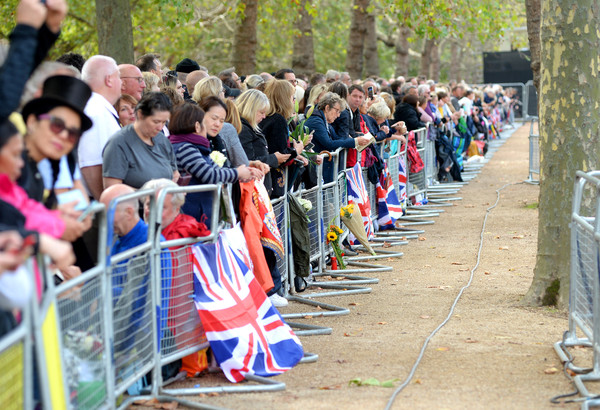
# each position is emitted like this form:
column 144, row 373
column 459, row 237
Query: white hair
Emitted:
column 177, row 199
column 41, row 74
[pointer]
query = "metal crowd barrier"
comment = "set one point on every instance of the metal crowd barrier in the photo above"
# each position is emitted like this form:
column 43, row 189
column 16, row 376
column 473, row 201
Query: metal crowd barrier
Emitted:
column 584, row 306
column 534, row 153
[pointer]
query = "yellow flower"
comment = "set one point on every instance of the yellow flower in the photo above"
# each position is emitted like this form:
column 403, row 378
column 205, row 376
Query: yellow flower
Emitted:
column 351, row 208
column 342, row 212
column 331, row 236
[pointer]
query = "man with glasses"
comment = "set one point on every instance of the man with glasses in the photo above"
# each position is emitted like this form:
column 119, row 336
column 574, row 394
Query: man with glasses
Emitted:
column 132, row 81
column 287, row 74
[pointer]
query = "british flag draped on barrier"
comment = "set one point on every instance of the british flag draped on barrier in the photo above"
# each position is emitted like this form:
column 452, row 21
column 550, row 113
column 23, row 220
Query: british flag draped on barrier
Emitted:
column 389, row 207
column 245, row 332
column 357, row 193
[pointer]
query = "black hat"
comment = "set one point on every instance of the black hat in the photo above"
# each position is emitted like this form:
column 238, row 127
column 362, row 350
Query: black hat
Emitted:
column 187, row 65
column 58, row 91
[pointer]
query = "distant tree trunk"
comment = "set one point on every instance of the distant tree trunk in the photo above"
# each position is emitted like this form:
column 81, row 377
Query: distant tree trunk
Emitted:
column 244, row 40
column 303, row 59
column 426, row 57
column 115, row 33
column 532, row 8
column 356, row 40
column 434, row 67
column 402, row 55
column 569, row 134
column 454, row 71
column 371, row 55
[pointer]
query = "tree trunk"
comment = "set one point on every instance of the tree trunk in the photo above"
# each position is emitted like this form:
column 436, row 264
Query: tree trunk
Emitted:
column 532, row 8
column 115, row 33
column 244, row 40
column 303, row 59
column 426, row 57
column 371, row 55
column 434, row 67
column 356, row 40
column 402, row 55
column 454, row 71
column 569, row 134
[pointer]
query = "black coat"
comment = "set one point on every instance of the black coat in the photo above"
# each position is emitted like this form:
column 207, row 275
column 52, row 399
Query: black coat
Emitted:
column 255, row 146
column 409, row 114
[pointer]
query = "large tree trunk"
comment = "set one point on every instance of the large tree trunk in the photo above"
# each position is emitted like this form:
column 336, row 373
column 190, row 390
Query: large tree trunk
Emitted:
column 115, row 34
column 434, row 67
column 454, row 71
column 244, row 40
column 358, row 32
column 533, row 33
column 402, row 54
column 426, row 57
column 569, row 134
column 371, row 55
column 303, row 59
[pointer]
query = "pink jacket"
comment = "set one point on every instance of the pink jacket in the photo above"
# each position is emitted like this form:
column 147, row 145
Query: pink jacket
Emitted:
column 37, row 216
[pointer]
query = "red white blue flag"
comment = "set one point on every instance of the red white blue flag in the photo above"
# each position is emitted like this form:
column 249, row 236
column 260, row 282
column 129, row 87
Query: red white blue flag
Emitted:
column 388, row 205
column 357, row 193
column 402, row 178
column 246, row 333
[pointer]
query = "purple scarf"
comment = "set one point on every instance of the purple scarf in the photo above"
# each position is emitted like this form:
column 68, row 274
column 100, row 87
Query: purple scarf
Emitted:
column 191, row 138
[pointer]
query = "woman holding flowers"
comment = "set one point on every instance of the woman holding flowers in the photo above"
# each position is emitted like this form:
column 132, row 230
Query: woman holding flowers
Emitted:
column 276, row 131
column 196, row 158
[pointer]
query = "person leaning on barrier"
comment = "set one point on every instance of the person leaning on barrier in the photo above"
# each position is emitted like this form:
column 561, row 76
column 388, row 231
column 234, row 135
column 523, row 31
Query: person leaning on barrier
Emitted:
column 130, row 283
column 324, row 137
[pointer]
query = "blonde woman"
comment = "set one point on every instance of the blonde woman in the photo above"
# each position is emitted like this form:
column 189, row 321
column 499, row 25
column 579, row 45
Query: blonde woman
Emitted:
column 151, row 81
column 281, row 94
column 253, row 106
column 208, row 86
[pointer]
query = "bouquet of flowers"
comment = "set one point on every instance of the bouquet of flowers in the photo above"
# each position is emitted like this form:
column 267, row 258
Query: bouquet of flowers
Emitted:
column 302, row 134
column 350, row 215
column 333, row 237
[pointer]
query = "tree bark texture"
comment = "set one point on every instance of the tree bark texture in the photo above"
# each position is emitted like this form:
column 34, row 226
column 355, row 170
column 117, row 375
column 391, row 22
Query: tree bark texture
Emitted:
column 244, row 40
column 115, row 33
column 532, row 8
column 371, row 55
column 426, row 57
column 303, row 59
column 454, row 71
column 402, row 55
column 434, row 58
column 569, row 133
column 356, row 40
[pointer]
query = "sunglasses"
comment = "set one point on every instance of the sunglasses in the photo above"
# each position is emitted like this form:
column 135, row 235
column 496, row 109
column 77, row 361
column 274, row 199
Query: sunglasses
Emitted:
column 57, row 125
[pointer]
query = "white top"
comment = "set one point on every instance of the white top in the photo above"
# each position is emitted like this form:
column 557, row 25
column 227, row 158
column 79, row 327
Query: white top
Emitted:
column 105, row 124
column 64, row 179
column 466, row 104
column 15, row 289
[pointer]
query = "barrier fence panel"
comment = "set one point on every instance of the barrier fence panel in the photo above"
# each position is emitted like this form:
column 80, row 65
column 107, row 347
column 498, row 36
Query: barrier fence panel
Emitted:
column 16, row 362
column 583, row 301
column 534, row 152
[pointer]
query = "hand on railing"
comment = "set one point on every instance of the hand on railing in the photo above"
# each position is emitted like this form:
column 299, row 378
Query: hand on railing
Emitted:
column 362, row 141
column 261, row 166
column 400, row 128
column 245, row 173
column 13, row 250
column 60, row 252
column 281, row 158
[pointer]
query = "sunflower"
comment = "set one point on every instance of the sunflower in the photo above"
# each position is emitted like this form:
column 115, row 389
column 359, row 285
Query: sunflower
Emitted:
column 331, row 236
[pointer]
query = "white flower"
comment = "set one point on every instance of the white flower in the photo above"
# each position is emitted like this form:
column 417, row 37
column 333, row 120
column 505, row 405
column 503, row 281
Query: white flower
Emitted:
column 306, row 204
column 218, row 158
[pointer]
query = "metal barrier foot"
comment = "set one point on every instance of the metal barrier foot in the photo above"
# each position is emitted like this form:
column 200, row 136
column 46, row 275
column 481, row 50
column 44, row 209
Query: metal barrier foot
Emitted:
column 309, row 330
column 327, row 309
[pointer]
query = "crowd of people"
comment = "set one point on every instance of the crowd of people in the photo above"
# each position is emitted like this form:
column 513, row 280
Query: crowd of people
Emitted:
column 79, row 130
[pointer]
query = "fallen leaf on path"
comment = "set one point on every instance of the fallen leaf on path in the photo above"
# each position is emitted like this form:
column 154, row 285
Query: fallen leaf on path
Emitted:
column 387, row 245
column 456, row 263
column 427, row 266
column 511, row 269
column 497, row 236
column 382, row 323
column 518, row 237
column 341, row 361
column 471, row 341
column 308, row 317
column 425, row 317
column 551, row 370
column 330, row 387
column 503, row 248
column 353, row 304
column 463, row 269
column 571, row 372
column 442, row 349
column 469, row 206
column 422, row 238
column 486, row 273
column 440, row 256
column 418, row 381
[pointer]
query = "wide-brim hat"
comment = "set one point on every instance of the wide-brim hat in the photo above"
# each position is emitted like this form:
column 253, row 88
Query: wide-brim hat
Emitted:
column 59, row 91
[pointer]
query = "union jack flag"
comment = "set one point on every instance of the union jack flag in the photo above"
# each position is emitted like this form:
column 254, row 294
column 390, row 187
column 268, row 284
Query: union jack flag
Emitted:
column 246, row 333
column 357, row 193
column 389, row 207
column 402, row 179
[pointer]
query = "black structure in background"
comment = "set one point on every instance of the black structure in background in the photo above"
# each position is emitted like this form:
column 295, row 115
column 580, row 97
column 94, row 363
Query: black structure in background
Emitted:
column 505, row 67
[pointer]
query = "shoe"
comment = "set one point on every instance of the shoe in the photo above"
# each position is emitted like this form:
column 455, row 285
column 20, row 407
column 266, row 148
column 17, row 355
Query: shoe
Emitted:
column 349, row 252
column 278, row 301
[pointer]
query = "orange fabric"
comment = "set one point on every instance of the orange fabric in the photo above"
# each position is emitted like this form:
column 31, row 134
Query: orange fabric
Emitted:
column 252, row 226
column 195, row 363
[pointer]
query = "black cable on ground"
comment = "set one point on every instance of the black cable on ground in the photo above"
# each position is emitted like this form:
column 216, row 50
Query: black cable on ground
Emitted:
column 451, row 312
